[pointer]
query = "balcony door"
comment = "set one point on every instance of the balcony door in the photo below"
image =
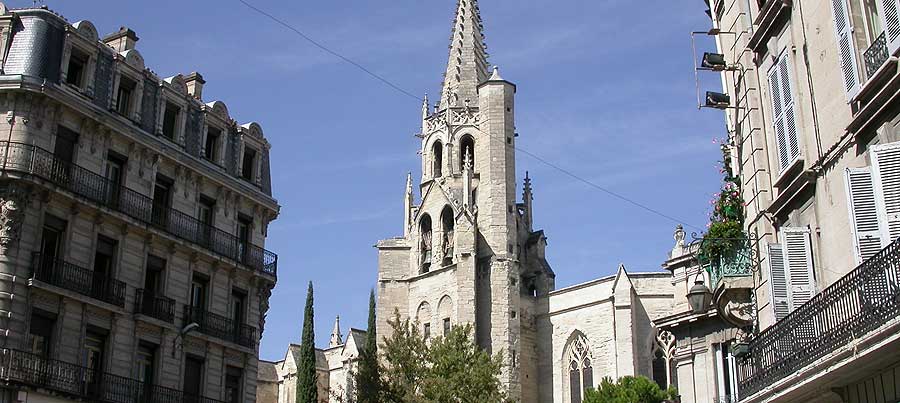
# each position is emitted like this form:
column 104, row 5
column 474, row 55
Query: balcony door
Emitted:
column 104, row 258
column 115, row 167
column 193, row 378
column 93, row 360
column 64, row 156
column 236, row 310
column 162, row 199
column 51, row 244
column 205, row 215
column 244, row 224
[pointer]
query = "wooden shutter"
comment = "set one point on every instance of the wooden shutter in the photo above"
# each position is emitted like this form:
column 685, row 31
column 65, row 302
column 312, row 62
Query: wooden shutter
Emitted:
column 784, row 122
column 798, row 265
column 886, row 175
column 778, row 280
column 889, row 10
column 867, row 229
column 846, row 47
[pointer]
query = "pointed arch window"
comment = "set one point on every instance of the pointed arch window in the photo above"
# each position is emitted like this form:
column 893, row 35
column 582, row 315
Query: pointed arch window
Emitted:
column 437, row 153
column 448, row 232
column 579, row 368
column 426, row 244
column 466, row 151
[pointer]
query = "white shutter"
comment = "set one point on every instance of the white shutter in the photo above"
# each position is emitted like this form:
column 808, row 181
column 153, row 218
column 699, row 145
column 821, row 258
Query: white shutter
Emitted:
column 846, row 47
column 778, row 280
column 784, row 122
column 867, row 230
column 886, row 174
column 798, row 265
column 889, row 10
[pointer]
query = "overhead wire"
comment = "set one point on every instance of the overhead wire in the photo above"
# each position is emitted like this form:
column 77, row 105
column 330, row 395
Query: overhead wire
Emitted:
column 400, row 89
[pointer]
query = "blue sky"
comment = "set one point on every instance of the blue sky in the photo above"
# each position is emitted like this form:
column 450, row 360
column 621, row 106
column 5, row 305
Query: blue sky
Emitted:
column 605, row 90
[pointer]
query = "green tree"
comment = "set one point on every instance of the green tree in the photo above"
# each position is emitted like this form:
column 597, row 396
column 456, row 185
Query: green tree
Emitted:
column 367, row 377
column 307, row 390
column 449, row 369
column 628, row 389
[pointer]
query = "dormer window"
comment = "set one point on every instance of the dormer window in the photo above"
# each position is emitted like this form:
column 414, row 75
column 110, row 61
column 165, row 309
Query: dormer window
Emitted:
column 125, row 96
column 170, row 121
column 211, row 148
column 248, row 164
column 77, row 69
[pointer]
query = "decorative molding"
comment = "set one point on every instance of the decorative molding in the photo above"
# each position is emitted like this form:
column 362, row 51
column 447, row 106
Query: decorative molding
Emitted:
column 14, row 198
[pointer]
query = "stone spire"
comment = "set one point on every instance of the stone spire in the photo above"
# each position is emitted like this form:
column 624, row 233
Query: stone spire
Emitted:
column 467, row 65
column 407, row 205
column 426, row 110
column 336, row 338
column 527, row 198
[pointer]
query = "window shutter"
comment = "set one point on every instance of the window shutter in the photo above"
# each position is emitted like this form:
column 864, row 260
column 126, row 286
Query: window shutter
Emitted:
column 778, row 279
column 798, row 264
column 783, row 115
column 867, row 230
column 889, row 10
column 886, row 163
column 846, row 48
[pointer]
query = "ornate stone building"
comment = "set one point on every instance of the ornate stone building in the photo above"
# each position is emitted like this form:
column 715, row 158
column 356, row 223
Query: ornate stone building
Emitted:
column 134, row 216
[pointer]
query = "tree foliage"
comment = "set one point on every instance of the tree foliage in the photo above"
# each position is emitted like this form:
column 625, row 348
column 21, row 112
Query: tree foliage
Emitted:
column 448, row 369
column 307, row 390
column 367, row 378
column 628, row 389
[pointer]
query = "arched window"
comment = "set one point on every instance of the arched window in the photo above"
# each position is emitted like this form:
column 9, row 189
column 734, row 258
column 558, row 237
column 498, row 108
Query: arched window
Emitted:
column 578, row 367
column 447, row 224
column 423, row 316
column 466, row 150
column 426, row 247
column 445, row 312
column 437, row 153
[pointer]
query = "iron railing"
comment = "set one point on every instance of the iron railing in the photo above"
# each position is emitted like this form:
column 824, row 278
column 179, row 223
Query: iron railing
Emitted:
column 219, row 326
column 860, row 302
column 33, row 160
column 736, row 259
column 876, row 55
column 75, row 278
column 85, row 383
column 155, row 306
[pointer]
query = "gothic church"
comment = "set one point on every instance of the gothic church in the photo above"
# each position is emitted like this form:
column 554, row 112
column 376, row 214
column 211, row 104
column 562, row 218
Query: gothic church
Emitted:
column 470, row 254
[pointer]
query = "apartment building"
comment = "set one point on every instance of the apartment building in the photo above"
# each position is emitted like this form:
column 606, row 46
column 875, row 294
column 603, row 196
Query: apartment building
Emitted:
column 813, row 117
column 133, row 218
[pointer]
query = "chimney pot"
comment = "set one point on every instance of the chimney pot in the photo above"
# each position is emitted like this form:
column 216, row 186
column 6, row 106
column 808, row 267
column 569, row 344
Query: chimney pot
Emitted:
column 194, row 83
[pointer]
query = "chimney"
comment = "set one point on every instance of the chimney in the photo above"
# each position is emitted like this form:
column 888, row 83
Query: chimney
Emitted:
column 194, row 83
column 122, row 40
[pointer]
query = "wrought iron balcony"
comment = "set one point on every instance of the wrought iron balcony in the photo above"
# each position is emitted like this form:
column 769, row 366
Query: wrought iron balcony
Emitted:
column 876, row 55
column 735, row 261
column 29, row 369
column 854, row 306
column 219, row 326
column 32, row 160
column 78, row 279
column 155, row 306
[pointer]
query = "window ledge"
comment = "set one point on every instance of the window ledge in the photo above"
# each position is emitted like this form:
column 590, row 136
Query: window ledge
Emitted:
column 789, row 174
column 791, row 191
column 878, row 93
column 773, row 16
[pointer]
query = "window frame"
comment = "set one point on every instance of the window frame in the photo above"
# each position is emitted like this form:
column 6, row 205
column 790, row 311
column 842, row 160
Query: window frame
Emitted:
column 133, row 108
column 216, row 121
column 74, row 41
column 789, row 74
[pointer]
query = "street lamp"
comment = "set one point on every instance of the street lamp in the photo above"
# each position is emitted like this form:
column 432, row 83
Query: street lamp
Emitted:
column 699, row 297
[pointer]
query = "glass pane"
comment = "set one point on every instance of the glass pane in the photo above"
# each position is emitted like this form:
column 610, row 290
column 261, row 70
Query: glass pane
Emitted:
column 588, row 376
column 575, row 386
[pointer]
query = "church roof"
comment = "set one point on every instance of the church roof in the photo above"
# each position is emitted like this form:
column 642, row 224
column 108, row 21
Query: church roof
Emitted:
column 267, row 371
column 467, row 63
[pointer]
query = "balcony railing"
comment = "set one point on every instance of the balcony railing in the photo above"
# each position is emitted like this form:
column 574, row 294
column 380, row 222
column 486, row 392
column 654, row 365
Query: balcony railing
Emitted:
column 220, row 326
column 78, row 279
column 29, row 159
column 876, row 55
column 155, row 306
column 860, row 302
column 81, row 382
column 735, row 261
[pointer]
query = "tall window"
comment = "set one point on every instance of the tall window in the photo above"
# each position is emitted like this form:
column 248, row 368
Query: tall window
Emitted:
column 233, row 379
column 248, row 165
column 579, row 368
column 784, row 121
column 125, row 96
column 104, row 257
column 64, row 155
column 426, row 246
column 75, row 73
column 94, row 349
column 211, row 148
column 145, row 363
column 193, row 378
column 162, row 198
column 198, row 291
column 244, row 224
column 438, row 161
column 447, row 223
column 115, row 167
column 467, row 151
column 726, row 375
column 237, row 307
column 41, row 332
column 207, row 208
column 170, row 121
column 153, row 276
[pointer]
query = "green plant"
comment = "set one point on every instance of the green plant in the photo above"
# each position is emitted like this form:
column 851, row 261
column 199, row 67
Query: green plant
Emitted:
column 725, row 231
column 629, row 389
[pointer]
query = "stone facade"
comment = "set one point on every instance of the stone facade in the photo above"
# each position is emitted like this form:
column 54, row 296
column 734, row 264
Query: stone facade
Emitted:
column 132, row 224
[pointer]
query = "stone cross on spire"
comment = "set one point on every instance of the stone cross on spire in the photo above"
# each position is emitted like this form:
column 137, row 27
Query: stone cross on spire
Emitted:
column 467, row 65
column 336, row 338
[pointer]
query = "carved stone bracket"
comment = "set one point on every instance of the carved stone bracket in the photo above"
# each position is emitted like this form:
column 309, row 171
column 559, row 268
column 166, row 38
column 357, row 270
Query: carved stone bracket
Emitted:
column 14, row 199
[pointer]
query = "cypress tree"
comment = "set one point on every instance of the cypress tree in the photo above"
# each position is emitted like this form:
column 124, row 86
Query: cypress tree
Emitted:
column 368, row 382
column 307, row 391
